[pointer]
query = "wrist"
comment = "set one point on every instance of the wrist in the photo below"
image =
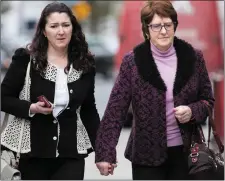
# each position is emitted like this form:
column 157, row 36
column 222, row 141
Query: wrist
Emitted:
column 33, row 108
column 192, row 117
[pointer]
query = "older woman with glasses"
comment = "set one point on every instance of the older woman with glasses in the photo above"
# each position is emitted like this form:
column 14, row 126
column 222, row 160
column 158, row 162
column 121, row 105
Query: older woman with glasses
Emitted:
column 166, row 81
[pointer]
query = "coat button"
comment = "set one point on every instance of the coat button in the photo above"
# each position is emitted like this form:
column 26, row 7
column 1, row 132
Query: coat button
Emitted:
column 54, row 121
column 54, row 138
column 71, row 91
column 68, row 108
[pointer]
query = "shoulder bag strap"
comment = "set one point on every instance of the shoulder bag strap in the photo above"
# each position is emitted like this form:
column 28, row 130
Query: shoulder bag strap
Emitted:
column 212, row 126
column 6, row 118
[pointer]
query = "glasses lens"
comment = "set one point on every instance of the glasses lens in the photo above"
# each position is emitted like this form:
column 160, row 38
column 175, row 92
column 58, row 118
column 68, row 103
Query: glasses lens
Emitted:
column 156, row 27
column 168, row 26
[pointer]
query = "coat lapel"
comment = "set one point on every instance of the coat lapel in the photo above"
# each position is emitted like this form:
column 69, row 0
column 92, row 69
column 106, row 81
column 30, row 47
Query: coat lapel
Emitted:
column 147, row 67
column 186, row 58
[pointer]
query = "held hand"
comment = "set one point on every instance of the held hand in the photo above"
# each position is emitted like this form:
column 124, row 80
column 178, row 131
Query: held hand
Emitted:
column 106, row 168
column 112, row 166
column 183, row 113
column 39, row 108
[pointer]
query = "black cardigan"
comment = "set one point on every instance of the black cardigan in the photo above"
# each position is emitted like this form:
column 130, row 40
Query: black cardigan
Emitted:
column 43, row 127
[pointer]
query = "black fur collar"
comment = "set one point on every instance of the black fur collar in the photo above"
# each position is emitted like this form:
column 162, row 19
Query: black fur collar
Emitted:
column 148, row 69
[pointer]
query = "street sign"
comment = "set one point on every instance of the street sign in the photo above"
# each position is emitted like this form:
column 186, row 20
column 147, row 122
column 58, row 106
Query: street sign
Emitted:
column 81, row 10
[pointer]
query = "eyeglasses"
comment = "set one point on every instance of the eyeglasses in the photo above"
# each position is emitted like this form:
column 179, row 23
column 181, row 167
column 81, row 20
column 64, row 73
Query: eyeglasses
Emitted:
column 158, row 27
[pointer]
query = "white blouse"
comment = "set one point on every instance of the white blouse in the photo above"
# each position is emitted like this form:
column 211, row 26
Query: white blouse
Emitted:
column 61, row 92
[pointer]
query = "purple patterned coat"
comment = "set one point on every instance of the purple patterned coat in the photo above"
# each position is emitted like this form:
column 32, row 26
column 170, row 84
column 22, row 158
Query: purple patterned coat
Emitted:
column 139, row 82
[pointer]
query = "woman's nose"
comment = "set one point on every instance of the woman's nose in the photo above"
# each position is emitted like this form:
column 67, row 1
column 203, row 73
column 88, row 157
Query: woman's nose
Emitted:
column 163, row 30
column 61, row 30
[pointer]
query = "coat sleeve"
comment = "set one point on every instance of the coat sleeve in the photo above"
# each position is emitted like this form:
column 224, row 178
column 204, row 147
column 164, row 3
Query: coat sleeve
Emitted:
column 199, row 109
column 115, row 114
column 13, row 83
column 89, row 114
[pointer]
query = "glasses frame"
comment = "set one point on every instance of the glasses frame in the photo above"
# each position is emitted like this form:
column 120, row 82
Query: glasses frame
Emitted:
column 150, row 25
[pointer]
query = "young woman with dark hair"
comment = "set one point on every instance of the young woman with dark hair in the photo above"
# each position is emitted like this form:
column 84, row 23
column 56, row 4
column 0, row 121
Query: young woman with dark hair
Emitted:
column 56, row 139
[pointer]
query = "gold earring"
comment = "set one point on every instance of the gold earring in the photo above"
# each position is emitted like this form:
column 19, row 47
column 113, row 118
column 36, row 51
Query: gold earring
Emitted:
column 147, row 36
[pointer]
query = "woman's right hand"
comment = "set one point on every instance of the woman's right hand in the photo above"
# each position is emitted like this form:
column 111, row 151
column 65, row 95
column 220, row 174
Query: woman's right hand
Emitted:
column 38, row 107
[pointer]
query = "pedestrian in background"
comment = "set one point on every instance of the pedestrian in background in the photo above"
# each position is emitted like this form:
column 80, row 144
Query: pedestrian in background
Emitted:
column 57, row 138
column 166, row 81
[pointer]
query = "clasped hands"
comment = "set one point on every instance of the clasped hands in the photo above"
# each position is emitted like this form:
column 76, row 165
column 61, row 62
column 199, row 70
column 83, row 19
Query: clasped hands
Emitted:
column 106, row 168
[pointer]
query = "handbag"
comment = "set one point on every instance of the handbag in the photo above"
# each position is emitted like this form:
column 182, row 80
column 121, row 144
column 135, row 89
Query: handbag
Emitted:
column 203, row 162
column 9, row 160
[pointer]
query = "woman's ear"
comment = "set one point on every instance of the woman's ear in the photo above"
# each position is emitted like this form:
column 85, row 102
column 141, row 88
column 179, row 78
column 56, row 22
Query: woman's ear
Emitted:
column 44, row 33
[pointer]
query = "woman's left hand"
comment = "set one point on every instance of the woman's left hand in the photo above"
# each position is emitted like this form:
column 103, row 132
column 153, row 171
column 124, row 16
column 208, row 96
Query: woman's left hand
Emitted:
column 183, row 113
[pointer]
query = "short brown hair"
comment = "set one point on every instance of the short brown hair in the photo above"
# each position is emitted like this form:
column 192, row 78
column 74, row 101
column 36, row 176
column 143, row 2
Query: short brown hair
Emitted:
column 163, row 8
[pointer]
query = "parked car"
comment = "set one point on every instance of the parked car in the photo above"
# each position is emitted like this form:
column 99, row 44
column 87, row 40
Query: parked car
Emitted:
column 103, row 57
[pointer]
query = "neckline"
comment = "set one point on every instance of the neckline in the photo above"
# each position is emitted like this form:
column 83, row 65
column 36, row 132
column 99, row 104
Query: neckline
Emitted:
column 170, row 51
column 56, row 66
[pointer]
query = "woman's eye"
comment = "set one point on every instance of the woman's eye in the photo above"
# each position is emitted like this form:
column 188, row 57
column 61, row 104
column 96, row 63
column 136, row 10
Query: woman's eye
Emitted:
column 156, row 26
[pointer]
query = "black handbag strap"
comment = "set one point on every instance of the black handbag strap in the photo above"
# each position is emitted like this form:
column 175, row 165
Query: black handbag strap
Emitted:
column 211, row 126
column 197, row 129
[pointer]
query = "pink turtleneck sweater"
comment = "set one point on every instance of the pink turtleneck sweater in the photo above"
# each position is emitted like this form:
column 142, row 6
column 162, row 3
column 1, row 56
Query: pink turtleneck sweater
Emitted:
column 166, row 62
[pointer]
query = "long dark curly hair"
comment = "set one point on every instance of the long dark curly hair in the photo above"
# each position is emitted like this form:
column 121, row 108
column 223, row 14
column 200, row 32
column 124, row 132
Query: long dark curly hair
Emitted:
column 78, row 54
